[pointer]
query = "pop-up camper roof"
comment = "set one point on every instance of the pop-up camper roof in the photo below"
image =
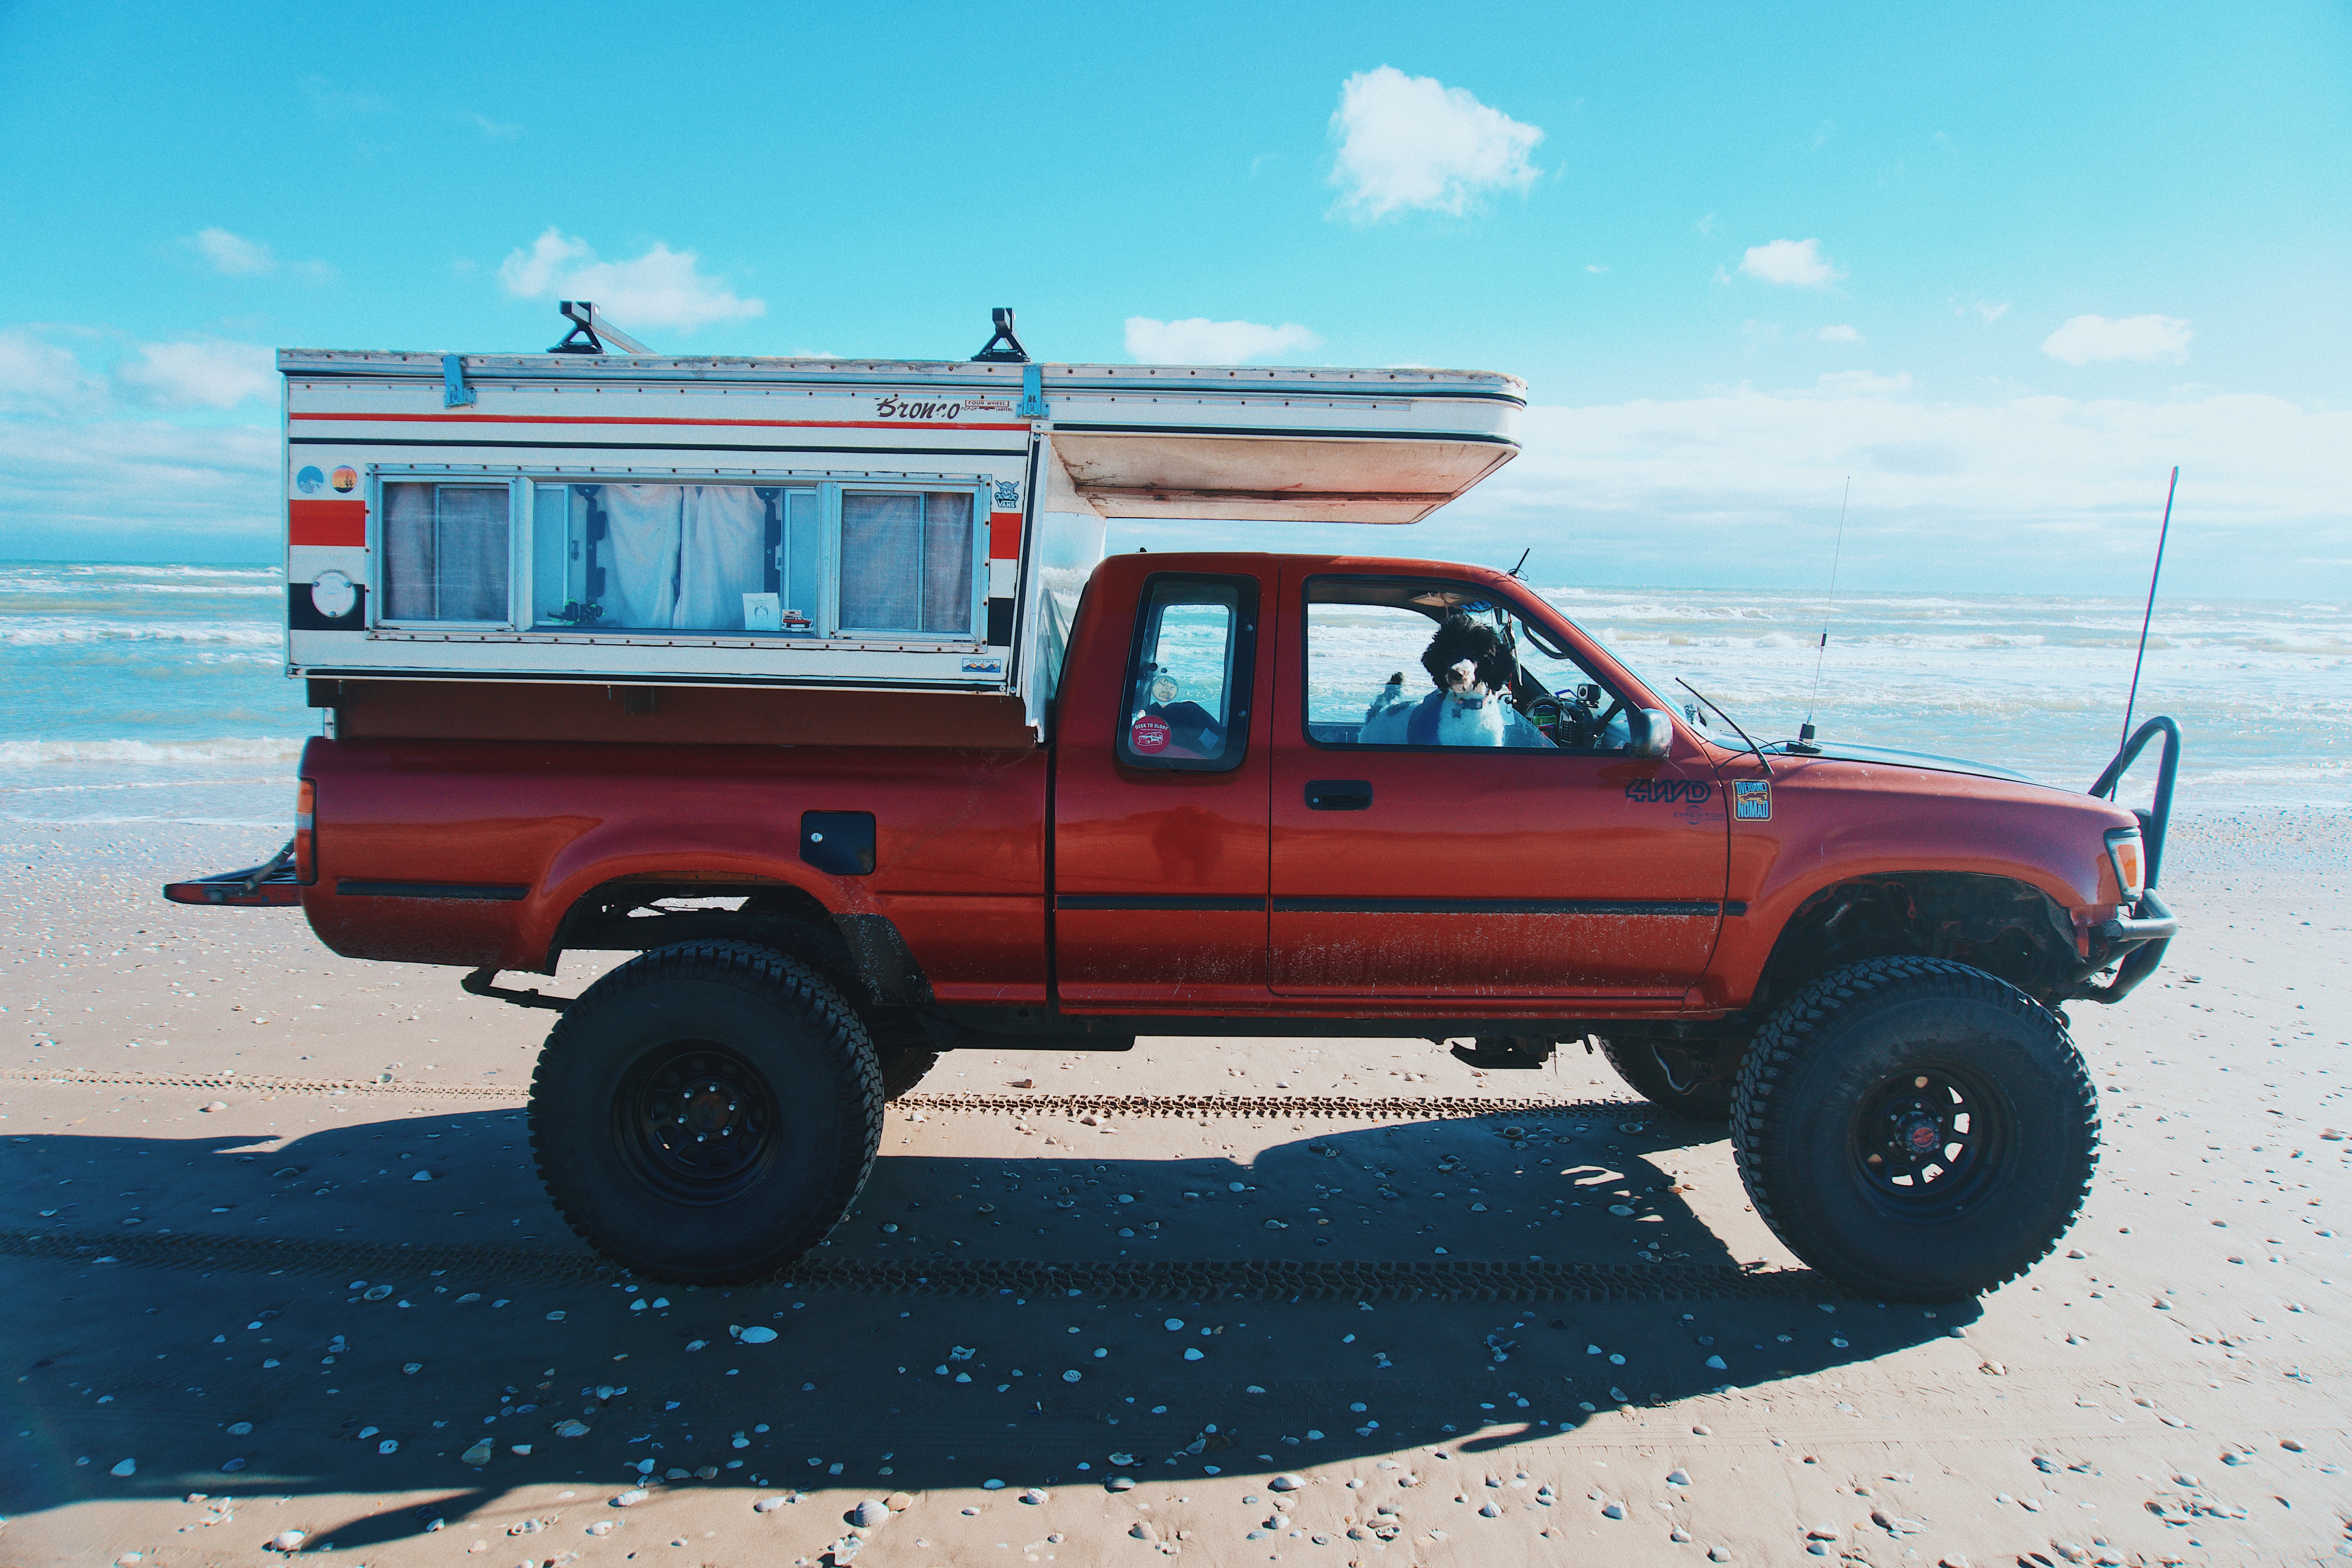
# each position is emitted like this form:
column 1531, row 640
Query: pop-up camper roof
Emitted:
column 596, row 516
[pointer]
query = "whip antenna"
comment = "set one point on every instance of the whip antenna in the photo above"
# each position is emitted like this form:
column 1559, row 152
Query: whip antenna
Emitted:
column 1805, row 731
column 2154, row 573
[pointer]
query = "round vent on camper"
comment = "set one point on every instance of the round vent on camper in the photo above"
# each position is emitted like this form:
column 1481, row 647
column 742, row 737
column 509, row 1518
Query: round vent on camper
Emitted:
column 332, row 595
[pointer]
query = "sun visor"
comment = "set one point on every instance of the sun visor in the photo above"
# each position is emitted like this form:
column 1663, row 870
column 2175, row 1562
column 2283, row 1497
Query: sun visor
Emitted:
column 1320, row 479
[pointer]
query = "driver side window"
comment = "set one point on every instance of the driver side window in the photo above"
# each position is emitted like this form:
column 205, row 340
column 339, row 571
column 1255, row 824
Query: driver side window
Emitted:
column 1421, row 664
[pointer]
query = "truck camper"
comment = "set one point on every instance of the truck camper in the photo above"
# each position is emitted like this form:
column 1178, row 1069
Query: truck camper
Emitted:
column 809, row 682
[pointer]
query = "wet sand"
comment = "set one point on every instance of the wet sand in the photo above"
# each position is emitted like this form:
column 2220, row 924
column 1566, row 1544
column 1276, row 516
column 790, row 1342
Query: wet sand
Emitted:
column 303, row 1297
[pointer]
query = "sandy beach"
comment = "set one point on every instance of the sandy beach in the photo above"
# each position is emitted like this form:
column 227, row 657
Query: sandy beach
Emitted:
column 277, row 1262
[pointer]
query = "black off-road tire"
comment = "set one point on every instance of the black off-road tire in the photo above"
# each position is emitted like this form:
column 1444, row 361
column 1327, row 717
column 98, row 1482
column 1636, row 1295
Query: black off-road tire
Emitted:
column 1850, row 1104
column 1647, row 1074
column 706, row 1112
column 902, row 1070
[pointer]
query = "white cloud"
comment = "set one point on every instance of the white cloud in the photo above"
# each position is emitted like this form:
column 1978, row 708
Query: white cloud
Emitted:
column 2145, row 339
column 2035, row 493
column 200, row 375
column 1799, row 263
column 66, row 491
column 1199, row 341
column 1991, row 312
column 233, row 255
column 1862, row 383
column 1839, row 334
column 496, row 130
column 41, row 378
column 1595, row 267
column 1410, row 141
column 663, row 288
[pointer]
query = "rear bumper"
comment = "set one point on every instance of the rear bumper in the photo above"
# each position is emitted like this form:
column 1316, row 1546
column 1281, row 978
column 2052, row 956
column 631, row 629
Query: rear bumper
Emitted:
column 269, row 884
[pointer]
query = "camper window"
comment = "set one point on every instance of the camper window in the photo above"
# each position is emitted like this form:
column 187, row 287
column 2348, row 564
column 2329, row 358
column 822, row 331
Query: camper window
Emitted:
column 711, row 558
column 907, row 562
column 446, row 553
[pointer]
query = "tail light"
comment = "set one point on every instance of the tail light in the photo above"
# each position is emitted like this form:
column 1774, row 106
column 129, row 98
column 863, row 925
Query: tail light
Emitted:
column 306, row 833
column 2128, row 854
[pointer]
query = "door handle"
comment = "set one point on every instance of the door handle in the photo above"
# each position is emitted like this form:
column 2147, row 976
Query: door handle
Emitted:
column 1339, row 795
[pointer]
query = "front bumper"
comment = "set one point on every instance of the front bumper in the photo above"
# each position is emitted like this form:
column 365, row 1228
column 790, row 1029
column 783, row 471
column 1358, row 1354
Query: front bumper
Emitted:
column 2139, row 939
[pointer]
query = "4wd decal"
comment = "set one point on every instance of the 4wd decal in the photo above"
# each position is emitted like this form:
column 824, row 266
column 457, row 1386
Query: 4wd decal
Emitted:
column 1670, row 791
column 1751, row 800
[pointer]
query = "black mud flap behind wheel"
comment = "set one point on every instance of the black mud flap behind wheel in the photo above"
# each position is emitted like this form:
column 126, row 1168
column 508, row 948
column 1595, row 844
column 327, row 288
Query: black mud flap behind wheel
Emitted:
column 706, row 1113
column 1506, row 1052
column 1671, row 1075
column 1915, row 1129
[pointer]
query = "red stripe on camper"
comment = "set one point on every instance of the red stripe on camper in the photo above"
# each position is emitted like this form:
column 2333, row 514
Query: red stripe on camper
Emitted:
column 1003, row 535
column 326, row 523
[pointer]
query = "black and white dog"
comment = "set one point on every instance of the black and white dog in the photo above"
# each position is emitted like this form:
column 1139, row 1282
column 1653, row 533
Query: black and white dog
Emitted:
column 1471, row 666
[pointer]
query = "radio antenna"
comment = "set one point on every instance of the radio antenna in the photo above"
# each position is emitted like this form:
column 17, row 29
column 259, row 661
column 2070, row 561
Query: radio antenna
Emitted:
column 1805, row 731
column 2154, row 573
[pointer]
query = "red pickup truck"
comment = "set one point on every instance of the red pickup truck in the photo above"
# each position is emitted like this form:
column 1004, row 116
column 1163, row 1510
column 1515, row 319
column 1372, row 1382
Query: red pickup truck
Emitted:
column 808, row 681
column 1858, row 956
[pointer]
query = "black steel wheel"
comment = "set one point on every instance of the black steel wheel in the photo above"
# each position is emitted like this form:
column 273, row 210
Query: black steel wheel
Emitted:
column 1676, row 1083
column 1915, row 1129
column 706, row 1113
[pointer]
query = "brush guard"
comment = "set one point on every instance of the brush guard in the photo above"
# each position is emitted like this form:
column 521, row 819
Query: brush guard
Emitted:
column 2141, row 936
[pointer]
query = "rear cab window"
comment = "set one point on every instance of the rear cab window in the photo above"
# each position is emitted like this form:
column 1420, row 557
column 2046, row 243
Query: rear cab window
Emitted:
column 1188, row 677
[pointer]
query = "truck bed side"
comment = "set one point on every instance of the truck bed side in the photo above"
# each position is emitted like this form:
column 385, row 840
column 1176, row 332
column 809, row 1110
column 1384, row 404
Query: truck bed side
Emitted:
column 472, row 852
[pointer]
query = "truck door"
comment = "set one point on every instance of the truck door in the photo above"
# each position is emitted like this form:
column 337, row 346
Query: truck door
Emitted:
column 1405, row 866
column 1160, row 794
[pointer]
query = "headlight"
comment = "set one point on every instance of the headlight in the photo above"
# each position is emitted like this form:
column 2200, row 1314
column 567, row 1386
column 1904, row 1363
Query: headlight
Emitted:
column 2129, row 855
column 333, row 595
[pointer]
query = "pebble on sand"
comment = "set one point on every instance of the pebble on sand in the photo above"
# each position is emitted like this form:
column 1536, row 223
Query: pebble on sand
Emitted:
column 871, row 1513
column 1034, row 1496
column 757, row 1336
column 631, row 1497
column 1287, row 1482
column 127, row 1467
column 479, row 1453
column 287, row 1541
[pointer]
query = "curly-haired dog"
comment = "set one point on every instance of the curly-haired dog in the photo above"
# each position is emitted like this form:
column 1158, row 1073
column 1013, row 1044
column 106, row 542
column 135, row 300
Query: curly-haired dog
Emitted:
column 1471, row 666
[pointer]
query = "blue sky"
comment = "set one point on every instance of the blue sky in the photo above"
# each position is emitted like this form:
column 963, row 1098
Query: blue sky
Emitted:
column 2003, row 265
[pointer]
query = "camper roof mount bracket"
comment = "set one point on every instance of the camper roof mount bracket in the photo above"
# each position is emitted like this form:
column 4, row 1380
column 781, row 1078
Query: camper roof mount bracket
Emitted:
column 590, row 333
column 1010, row 352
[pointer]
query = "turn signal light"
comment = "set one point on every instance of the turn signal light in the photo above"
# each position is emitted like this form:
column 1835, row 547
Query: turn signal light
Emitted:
column 306, row 836
column 2129, row 855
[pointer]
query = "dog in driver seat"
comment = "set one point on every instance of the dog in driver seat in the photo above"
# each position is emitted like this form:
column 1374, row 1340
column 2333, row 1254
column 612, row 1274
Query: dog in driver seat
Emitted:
column 1471, row 667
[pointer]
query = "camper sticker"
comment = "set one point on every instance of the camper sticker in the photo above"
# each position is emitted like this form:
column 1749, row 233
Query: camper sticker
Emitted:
column 345, row 480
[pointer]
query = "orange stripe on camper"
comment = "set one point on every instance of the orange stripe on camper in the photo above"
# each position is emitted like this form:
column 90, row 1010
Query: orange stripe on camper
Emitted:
column 1003, row 535
column 326, row 523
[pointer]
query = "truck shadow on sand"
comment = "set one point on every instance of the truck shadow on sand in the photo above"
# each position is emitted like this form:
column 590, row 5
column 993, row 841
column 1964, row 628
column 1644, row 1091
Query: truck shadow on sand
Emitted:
column 895, row 1385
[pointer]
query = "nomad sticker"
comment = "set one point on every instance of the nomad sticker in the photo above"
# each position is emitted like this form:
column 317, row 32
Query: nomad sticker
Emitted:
column 1751, row 800
column 346, row 479
column 309, row 481
column 1667, row 792
column 1147, row 735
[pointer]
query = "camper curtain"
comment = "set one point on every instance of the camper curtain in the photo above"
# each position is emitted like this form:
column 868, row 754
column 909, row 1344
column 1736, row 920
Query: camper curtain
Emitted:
column 444, row 553
column 472, row 554
column 906, row 561
column 721, row 544
column 640, row 554
column 881, row 561
column 408, row 553
column 947, row 561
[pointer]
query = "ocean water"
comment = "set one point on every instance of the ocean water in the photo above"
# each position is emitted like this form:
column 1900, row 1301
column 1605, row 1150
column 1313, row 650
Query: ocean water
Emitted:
column 153, row 695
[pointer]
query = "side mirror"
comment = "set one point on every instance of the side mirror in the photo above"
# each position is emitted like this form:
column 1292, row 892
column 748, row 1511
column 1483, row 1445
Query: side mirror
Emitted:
column 1653, row 729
